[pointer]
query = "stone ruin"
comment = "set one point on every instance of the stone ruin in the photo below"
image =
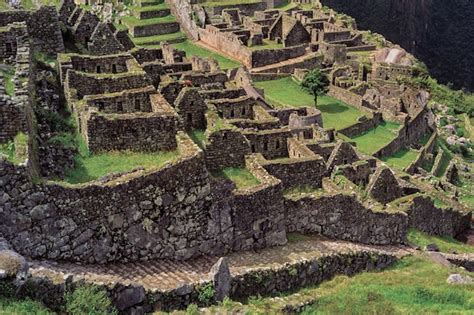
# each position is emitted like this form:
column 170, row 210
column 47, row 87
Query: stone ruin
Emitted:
column 126, row 98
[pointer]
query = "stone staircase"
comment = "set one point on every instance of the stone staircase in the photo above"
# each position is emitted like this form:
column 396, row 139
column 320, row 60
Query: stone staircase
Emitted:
column 151, row 23
column 168, row 285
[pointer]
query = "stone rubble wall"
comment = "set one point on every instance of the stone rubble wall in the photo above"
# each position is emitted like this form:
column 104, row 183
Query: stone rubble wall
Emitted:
column 343, row 217
column 141, row 132
column 226, row 148
column 363, row 125
column 423, row 215
column 154, row 29
column 43, row 27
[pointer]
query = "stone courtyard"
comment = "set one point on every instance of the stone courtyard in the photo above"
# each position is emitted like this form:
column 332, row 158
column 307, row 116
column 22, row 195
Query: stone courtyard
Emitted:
column 131, row 164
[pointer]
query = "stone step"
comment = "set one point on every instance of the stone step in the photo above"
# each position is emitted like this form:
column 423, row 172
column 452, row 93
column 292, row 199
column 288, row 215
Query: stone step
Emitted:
column 149, row 14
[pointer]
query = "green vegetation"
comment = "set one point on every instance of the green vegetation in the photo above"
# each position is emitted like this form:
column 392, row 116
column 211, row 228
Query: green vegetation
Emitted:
column 88, row 299
column 285, row 93
column 457, row 101
column 198, row 136
column 192, row 49
column 297, row 237
column 157, row 7
column 216, row 3
column 16, row 151
column 151, row 40
column 206, row 293
column 133, row 21
column 414, row 285
column 315, row 83
column 19, row 307
column 7, row 73
column 89, row 167
column 401, row 159
column 240, row 176
column 446, row 244
column 267, row 44
column 374, row 139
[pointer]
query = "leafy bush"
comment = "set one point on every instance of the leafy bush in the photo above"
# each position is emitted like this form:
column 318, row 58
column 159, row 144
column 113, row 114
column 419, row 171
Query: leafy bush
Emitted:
column 206, row 293
column 88, row 299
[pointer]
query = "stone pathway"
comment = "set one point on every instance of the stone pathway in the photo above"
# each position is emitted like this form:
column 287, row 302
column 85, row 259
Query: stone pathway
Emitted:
column 164, row 275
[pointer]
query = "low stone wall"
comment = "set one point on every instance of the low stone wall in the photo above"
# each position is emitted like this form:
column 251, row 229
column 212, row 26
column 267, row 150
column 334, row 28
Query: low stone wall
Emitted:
column 410, row 133
column 424, row 151
column 154, row 29
column 142, row 132
column 426, row 217
column 89, row 84
column 265, row 57
column 346, row 96
column 12, row 118
column 343, row 217
column 246, row 8
column 363, row 125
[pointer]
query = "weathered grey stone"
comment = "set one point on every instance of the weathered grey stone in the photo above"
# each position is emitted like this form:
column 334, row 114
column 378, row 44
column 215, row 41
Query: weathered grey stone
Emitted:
column 221, row 278
column 432, row 248
column 129, row 297
column 459, row 279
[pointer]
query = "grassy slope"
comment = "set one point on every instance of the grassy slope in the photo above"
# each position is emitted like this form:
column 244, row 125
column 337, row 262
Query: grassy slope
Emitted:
column 287, row 93
column 446, row 244
column 8, row 80
column 240, row 176
column 14, row 307
column 214, row 3
column 198, row 136
column 413, row 286
column 195, row 50
column 372, row 140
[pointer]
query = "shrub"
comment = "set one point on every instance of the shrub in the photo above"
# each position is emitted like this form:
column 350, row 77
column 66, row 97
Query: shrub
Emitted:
column 206, row 293
column 88, row 299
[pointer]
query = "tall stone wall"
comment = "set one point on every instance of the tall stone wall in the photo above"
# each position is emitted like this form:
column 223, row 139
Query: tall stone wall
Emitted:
column 226, row 148
column 140, row 216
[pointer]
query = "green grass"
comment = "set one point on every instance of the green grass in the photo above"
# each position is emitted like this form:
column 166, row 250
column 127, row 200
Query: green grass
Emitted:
column 15, row 307
column 374, row 139
column 446, row 244
column 8, row 74
column 192, row 49
column 141, row 41
column 286, row 93
column 157, row 7
column 401, row 159
column 93, row 166
column 240, row 176
column 198, row 136
column 267, row 44
column 215, row 3
column 414, row 285
column 15, row 151
column 133, row 21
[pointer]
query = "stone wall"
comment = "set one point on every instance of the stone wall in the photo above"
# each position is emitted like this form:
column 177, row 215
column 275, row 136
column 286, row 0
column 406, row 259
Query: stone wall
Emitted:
column 265, row 57
column 154, row 29
column 226, row 148
column 425, row 216
column 127, row 101
column 143, row 132
column 43, row 27
column 343, row 217
column 246, row 8
column 12, row 117
column 364, row 124
column 138, row 216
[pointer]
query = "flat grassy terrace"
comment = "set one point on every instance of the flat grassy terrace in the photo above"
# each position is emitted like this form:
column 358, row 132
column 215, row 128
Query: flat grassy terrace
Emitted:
column 240, row 176
column 446, row 244
column 133, row 21
column 374, row 139
column 286, row 93
column 90, row 167
column 216, row 3
column 401, row 159
column 150, row 40
column 192, row 49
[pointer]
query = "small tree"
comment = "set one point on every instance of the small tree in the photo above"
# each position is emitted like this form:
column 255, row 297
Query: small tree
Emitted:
column 315, row 83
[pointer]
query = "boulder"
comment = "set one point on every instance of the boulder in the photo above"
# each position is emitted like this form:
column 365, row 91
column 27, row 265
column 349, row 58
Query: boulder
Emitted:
column 129, row 297
column 221, row 278
column 432, row 248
